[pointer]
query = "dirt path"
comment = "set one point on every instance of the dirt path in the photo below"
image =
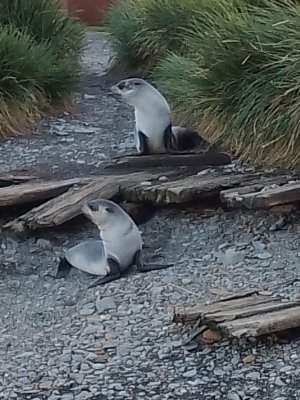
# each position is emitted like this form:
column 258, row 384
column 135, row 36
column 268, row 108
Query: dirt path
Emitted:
column 61, row 341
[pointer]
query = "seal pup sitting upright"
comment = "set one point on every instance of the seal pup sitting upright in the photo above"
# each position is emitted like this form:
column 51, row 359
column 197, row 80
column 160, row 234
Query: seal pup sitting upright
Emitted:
column 120, row 246
column 154, row 133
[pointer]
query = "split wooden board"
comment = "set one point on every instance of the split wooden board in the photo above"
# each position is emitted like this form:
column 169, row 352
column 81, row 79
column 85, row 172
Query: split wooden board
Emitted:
column 250, row 315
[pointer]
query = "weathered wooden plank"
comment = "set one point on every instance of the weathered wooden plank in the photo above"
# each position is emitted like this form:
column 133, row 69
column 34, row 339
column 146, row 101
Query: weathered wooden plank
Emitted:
column 260, row 196
column 68, row 205
column 210, row 158
column 233, row 198
column 12, row 179
column 36, row 191
column 246, row 315
column 188, row 189
column 64, row 207
column 248, row 311
column 192, row 314
column 259, row 325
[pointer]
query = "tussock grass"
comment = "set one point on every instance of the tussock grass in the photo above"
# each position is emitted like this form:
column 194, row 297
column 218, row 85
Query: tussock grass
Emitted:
column 45, row 22
column 234, row 73
column 38, row 66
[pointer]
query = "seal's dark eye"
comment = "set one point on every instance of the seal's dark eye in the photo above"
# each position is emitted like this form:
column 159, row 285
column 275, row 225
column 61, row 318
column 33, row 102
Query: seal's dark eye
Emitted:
column 121, row 85
column 109, row 210
column 93, row 206
column 137, row 83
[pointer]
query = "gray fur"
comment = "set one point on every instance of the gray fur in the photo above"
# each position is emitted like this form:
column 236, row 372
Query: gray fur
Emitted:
column 153, row 119
column 120, row 239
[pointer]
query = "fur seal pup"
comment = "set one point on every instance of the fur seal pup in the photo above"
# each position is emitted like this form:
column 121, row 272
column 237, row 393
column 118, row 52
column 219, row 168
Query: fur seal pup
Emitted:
column 154, row 132
column 120, row 246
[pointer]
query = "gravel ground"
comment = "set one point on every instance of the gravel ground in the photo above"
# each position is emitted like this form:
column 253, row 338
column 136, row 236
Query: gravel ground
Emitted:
column 61, row 341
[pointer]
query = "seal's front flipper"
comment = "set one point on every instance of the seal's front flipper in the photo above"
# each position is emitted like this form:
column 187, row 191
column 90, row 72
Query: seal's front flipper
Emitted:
column 63, row 269
column 169, row 139
column 144, row 146
column 138, row 261
column 114, row 274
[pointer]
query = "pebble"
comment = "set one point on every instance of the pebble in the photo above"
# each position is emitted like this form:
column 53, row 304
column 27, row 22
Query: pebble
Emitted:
column 264, row 256
column 105, row 304
column 231, row 257
column 253, row 376
column 233, row 396
column 190, row 374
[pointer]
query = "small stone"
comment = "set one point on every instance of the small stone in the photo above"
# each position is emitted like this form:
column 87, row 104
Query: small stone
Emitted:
column 89, row 96
column 210, row 336
column 86, row 311
column 46, row 385
column 83, row 395
column 62, row 133
column 279, row 382
column 97, row 366
column 264, row 256
column 124, row 349
column 259, row 246
column 286, row 369
column 85, row 367
column 233, row 396
column 85, row 131
column 249, row 359
column 44, row 243
column 162, row 178
column 146, row 183
column 204, row 172
column 253, row 375
column 190, row 374
column 231, row 257
column 105, row 304
column 67, row 396
column 219, row 372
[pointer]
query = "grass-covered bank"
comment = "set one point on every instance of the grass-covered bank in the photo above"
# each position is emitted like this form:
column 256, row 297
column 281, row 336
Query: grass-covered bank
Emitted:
column 229, row 67
column 39, row 48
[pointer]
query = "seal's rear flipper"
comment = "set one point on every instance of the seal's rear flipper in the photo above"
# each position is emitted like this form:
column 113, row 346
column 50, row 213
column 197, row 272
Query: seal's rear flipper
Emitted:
column 138, row 261
column 63, row 269
column 114, row 274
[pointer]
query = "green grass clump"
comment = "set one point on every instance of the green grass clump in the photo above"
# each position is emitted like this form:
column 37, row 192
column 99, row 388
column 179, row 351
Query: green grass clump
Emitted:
column 143, row 30
column 38, row 60
column 240, row 79
column 229, row 67
column 124, row 20
column 45, row 22
column 31, row 78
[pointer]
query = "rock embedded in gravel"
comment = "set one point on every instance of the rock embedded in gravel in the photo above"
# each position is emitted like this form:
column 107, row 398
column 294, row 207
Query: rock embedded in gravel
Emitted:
column 105, row 304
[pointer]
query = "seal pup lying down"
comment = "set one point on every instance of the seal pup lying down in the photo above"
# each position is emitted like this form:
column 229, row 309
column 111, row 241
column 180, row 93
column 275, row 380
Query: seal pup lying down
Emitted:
column 154, row 132
column 120, row 246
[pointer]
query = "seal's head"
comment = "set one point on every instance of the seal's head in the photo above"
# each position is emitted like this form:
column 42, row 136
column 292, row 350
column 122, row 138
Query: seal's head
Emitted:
column 134, row 91
column 105, row 214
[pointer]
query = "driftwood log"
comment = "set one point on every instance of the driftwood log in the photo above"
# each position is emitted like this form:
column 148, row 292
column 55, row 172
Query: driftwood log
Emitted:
column 197, row 160
column 11, row 179
column 249, row 315
column 260, row 195
column 67, row 205
column 55, row 202
column 36, row 191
